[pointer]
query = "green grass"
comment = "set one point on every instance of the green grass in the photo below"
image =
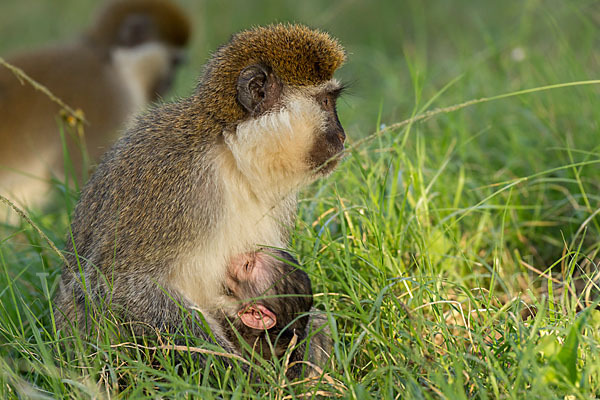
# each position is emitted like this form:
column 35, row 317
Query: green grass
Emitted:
column 456, row 256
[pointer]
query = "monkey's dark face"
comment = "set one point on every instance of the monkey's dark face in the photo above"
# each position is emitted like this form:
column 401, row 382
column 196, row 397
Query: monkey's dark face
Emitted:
column 329, row 143
column 164, row 82
column 145, row 54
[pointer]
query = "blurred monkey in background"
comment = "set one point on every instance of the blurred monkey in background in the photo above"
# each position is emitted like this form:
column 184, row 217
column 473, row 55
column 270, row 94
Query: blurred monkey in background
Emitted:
column 125, row 59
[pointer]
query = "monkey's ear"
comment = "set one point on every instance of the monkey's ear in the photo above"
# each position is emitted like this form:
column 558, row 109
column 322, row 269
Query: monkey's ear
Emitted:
column 257, row 316
column 254, row 90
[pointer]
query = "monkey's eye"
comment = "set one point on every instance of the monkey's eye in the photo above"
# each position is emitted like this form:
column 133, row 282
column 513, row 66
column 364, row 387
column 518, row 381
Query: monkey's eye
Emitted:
column 326, row 102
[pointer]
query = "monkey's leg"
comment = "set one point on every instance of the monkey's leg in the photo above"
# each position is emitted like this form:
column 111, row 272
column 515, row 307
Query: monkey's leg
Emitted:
column 141, row 300
column 145, row 306
column 315, row 347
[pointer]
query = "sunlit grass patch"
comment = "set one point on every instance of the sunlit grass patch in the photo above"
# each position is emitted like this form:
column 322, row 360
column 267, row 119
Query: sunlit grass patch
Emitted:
column 455, row 251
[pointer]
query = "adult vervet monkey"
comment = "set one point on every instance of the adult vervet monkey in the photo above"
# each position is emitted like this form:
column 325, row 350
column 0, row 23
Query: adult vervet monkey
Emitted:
column 196, row 182
column 125, row 59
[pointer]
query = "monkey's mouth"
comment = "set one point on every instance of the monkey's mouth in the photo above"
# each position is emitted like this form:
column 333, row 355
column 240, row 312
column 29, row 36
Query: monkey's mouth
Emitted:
column 328, row 151
column 326, row 165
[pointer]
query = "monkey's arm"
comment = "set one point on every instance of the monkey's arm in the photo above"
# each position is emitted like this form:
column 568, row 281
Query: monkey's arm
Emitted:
column 148, row 302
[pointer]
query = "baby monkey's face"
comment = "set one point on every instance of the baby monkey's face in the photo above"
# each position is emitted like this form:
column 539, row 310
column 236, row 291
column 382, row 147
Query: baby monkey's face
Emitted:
column 270, row 288
column 249, row 275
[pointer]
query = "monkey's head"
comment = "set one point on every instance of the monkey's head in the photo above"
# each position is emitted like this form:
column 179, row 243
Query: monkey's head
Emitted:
column 146, row 37
column 274, row 86
column 273, row 294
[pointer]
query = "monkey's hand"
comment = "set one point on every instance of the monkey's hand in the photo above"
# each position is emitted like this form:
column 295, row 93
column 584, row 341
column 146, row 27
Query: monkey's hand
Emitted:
column 315, row 346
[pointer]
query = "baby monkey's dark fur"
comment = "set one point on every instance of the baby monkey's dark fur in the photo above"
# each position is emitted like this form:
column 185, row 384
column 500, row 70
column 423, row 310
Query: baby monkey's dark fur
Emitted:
column 274, row 299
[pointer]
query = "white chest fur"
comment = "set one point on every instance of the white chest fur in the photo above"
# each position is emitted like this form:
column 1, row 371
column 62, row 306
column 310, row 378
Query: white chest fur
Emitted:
column 260, row 168
column 247, row 221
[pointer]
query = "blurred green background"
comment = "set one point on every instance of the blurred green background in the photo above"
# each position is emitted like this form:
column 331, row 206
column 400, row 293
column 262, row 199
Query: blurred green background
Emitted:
column 426, row 219
column 436, row 40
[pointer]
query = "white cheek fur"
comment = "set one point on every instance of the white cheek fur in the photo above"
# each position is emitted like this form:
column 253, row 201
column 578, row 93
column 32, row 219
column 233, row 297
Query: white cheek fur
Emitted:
column 140, row 68
column 272, row 151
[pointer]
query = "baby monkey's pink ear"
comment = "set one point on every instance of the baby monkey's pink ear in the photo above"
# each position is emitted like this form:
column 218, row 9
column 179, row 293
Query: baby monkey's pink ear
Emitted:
column 257, row 316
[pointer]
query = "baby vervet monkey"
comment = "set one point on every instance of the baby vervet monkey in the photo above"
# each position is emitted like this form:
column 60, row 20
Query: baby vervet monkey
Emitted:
column 124, row 60
column 271, row 300
column 196, row 182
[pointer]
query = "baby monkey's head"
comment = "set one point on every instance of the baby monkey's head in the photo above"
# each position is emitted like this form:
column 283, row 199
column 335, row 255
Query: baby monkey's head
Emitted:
column 274, row 296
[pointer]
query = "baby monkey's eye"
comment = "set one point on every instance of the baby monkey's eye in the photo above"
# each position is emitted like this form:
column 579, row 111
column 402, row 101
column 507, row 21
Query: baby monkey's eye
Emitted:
column 325, row 102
